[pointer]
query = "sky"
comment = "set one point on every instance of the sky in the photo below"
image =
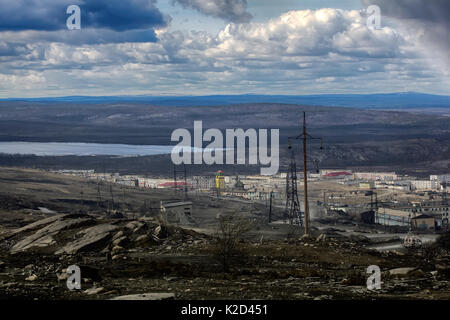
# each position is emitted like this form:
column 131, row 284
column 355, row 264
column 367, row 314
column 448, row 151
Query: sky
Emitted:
column 202, row 47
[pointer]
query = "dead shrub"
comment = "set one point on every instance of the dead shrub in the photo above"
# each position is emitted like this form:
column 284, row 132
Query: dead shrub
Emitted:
column 231, row 230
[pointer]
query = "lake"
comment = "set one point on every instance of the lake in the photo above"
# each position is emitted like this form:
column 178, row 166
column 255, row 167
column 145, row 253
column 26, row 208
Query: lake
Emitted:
column 82, row 149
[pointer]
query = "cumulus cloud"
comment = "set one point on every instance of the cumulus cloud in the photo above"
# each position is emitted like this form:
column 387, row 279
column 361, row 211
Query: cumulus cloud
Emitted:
column 307, row 51
column 50, row 15
column 10, row 49
column 426, row 20
column 308, row 33
column 229, row 10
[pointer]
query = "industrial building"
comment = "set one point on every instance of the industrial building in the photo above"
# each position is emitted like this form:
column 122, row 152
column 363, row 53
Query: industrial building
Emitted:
column 177, row 212
column 424, row 222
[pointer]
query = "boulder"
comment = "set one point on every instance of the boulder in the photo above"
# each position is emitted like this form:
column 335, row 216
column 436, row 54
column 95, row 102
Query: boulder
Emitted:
column 161, row 232
column 142, row 239
column 135, row 226
column 44, row 236
column 418, row 273
column 91, row 238
column 401, row 272
column 147, row 296
column 92, row 291
column 31, row 278
column 308, row 237
column 321, row 238
column 118, row 235
column 34, row 225
column 117, row 249
column 120, row 241
column 117, row 257
column 33, row 242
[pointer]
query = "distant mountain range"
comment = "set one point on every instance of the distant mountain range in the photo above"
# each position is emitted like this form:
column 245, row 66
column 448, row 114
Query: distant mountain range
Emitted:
column 367, row 101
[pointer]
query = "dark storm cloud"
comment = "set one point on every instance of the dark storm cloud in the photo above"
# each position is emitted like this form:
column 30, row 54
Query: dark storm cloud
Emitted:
column 427, row 10
column 229, row 10
column 429, row 16
column 50, row 15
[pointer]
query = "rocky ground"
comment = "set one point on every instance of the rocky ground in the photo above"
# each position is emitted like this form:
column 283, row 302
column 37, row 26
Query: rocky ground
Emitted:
column 123, row 257
column 46, row 225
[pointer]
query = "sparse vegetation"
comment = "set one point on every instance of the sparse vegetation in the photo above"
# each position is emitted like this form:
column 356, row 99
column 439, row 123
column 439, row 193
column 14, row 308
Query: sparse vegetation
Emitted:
column 230, row 231
column 444, row 242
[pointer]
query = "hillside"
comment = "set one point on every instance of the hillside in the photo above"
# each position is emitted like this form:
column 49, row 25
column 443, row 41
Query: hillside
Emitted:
column 353, row 137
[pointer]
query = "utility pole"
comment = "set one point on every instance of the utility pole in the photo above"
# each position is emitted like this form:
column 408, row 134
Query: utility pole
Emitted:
column 123, row 199
column 185, row 182
column 305, row 177
column 305, row 136
column 175, row 184
column 82, row 199
column 112, row 196
column 99, row 195
column 175, row 179
column 270, row 207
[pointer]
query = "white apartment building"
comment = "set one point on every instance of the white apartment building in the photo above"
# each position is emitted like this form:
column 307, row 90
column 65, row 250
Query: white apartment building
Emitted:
column 424, row 185
column 386, row 176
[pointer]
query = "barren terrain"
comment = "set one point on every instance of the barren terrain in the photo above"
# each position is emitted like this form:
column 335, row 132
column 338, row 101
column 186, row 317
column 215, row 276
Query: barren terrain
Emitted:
column 138, row 253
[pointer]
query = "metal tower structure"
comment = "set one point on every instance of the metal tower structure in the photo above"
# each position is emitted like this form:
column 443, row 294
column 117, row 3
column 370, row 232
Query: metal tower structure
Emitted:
column 304, row 137
column 175, row 183
column 292, row 210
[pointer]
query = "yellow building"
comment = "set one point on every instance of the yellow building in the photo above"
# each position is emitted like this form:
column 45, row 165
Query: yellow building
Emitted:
column 366, row 185
column 220, row 181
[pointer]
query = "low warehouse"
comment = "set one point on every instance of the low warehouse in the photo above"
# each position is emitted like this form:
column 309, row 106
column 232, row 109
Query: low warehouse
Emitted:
column 177, row 212
column 424, row 222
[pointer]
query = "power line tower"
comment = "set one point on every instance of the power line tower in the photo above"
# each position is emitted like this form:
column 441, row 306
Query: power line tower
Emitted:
column 82, row 199
column 99, row 195
column 112, row 196
column 305, row 137
column 373, row 205
column 175, row 183
column 292, row 210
